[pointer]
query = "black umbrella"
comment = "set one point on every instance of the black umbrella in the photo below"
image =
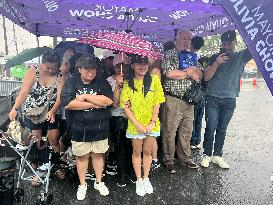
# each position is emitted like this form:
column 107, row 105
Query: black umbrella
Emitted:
column 79, row 47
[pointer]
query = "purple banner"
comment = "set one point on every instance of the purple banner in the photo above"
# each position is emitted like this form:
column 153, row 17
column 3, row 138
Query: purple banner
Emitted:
column 254, row 20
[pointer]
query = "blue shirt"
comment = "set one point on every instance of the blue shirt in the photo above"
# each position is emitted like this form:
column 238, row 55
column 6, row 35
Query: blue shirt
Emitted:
column 225, row 83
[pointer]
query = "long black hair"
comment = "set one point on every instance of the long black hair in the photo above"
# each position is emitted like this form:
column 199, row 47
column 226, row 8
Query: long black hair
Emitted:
column 147, row 81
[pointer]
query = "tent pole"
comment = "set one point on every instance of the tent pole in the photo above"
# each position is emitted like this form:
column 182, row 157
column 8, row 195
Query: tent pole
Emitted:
column 54, row 42
column 15, row 38
column 38, row 45
column 5, row 35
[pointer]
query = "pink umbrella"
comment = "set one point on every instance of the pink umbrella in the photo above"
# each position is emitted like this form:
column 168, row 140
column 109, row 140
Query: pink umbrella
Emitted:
column 121, row 41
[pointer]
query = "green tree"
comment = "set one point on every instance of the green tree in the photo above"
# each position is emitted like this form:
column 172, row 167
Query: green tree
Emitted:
column 213, row 44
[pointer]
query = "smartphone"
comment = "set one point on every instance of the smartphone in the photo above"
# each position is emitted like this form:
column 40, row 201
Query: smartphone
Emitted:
column 223, row 50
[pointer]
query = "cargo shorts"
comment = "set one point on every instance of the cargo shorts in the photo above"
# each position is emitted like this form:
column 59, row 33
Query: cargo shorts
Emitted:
column 83, row 148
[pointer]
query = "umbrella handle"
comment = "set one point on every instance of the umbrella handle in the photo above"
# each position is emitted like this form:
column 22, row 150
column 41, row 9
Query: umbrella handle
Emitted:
column 121, row 63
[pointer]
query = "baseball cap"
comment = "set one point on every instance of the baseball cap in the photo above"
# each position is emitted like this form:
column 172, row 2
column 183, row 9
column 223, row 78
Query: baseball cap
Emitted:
column 228, row 36
column 121, row 58
column 139, row 59
column 87, row 62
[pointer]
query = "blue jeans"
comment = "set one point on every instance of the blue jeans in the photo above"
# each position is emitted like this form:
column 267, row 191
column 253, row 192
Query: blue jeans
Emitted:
column 218, row 114
column 197, row 123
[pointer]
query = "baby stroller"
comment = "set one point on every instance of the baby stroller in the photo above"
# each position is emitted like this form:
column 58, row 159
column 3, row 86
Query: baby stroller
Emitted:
column 19, row 140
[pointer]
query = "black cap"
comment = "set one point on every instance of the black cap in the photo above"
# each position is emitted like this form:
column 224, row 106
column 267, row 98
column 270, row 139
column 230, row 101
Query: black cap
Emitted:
column 228, row 36
column 139, row 59
column 87, row 62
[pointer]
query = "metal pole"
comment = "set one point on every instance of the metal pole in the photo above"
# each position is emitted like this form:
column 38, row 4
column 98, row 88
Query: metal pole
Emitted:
column 54, row 42
column 38, row 45
column 5, row 35
column 14, row 37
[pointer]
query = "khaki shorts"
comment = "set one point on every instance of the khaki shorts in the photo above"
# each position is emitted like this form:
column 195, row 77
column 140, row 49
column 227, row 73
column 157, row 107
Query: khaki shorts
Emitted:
column 82, row 148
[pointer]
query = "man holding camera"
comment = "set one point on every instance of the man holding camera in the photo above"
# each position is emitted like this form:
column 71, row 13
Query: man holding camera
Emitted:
column 223, row 75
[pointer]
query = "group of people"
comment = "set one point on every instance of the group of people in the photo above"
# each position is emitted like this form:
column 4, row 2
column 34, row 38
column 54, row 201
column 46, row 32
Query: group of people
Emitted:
column 116, row 109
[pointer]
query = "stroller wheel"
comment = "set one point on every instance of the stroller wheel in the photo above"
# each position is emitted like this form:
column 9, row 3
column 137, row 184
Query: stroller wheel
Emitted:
column 19, row 195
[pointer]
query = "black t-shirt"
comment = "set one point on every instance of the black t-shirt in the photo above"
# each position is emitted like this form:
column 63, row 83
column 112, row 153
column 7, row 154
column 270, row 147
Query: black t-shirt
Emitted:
column 92, row 124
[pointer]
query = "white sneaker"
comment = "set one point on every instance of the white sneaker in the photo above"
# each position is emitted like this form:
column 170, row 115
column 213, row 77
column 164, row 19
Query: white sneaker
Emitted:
column 140, row 190
column 198, row 146
column 101, row 188
column 220, row 162
column 81, row 193
column 148, row 186
column 193, row 147
column 205, row 161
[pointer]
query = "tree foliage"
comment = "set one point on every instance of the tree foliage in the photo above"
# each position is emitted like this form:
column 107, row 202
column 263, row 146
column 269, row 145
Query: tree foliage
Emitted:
column 213, row 44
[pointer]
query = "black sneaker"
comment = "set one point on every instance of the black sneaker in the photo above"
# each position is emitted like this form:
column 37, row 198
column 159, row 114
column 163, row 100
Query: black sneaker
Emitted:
column 111, row 165
column 90, row 176
column 170, row 169
column 122, row 181
column 191, row 164
column 111, row 171
column 155, row 165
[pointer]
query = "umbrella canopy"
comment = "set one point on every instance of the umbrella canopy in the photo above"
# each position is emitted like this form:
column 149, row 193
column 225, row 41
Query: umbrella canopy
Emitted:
column 155, row 19
column 19, row 71
column 121, row 41
column 24, row 56
column 79, row 47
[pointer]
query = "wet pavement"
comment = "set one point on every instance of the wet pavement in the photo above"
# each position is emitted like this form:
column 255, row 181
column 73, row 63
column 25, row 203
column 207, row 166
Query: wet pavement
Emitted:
column 248, row 149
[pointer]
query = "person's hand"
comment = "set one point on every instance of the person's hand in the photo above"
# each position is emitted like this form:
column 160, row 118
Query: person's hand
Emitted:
column 141, row 129
column 13, row 114
column 150, row 126
column 50, row 117
column 67, row 56
column 127, row 104
column 119, row 80
column 190, row 70
column 222, row 58
column 81, row 97
column 195, row 74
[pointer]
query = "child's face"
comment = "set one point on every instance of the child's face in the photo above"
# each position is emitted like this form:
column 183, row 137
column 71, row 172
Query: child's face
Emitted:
column 140, row 69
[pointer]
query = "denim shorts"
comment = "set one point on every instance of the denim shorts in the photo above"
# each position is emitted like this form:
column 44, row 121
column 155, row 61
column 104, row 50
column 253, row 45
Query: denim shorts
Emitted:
column 142, row 136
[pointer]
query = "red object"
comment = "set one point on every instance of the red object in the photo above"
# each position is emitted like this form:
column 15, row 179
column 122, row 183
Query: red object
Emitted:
column 121, row 41
column 254, row 81
column 241, row 82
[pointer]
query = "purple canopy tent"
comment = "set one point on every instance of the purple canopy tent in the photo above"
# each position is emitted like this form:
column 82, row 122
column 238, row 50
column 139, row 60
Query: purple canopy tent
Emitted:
column 151, row 19
column 154, row 20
